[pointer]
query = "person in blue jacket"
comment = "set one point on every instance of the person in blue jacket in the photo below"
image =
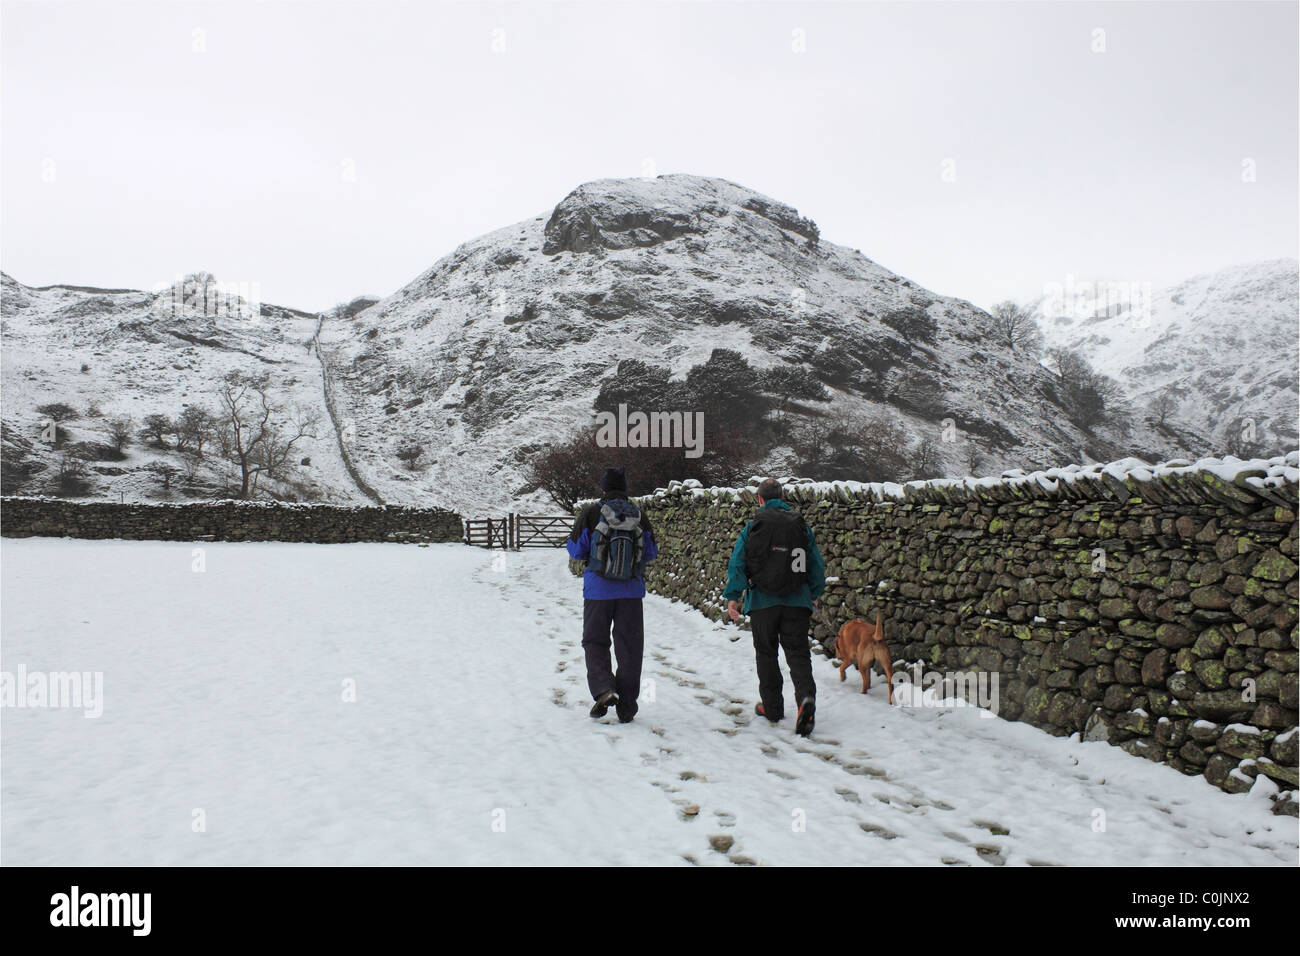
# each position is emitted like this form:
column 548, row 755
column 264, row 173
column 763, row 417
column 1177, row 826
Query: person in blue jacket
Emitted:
column 611, row 601
column 779, row 550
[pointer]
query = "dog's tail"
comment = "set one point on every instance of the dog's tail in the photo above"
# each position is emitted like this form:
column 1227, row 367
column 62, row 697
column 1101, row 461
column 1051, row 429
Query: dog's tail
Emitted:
column 880, row 635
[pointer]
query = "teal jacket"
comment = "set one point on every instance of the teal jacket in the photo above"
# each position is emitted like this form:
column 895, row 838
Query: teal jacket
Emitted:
column 755, row 600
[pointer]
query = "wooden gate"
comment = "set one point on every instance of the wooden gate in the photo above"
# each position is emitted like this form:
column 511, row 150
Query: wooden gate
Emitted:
column 514, row 532
column 488, row 532
column 541, row 531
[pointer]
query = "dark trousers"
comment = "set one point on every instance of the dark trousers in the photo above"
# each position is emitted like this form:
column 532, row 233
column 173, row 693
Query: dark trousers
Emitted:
column 624, row 614
column 786, row 627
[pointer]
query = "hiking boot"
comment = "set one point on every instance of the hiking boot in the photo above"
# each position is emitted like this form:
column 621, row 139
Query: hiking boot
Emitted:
column 626, row 710
column 603, row 703
column 758, row 709
column 803, row 724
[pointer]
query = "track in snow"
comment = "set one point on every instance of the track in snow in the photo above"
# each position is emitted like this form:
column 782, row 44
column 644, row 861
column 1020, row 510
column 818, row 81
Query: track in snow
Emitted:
column 469, row 742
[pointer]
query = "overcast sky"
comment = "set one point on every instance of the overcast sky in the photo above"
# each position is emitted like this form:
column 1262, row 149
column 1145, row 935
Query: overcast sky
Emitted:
column 324, row 150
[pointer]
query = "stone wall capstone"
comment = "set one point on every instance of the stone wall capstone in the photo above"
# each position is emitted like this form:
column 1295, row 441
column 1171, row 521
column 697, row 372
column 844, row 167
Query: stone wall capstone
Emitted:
column 225, row 521
column 1150, row 606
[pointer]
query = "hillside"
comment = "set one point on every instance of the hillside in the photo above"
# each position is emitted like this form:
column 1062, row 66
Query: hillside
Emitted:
column 498, row 351
column 1223, row 345
column 115, row 352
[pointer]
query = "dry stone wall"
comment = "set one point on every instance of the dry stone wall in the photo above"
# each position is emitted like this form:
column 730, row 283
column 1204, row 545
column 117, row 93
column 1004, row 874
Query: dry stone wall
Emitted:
column 1150, row 606
column 224, row 521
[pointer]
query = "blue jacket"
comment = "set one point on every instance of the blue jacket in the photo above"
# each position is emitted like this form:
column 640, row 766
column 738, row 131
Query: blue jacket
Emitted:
column 755, row 600
column 596, row 588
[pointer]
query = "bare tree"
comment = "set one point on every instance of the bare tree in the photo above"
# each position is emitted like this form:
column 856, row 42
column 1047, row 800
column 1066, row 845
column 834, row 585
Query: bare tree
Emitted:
column 568, row 470
column 1241, row 438
column 254, row 435
column 973, row 458
column 1162, row 406
column 193, row 427
column 924, row 459
column 156, row 429
column 1015, row 327
column 1088, row 396
column 190, row 461
column 120, row 430
column 849, row 447
column 164, row 472
column 409, row 454
column 70, row 480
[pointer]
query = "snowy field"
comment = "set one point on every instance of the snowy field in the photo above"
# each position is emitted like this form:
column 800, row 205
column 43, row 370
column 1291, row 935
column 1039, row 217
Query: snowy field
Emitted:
column 226, row 737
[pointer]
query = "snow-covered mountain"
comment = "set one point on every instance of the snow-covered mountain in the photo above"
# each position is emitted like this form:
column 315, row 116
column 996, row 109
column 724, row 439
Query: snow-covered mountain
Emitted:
column 1224, row 345
column 500, row 348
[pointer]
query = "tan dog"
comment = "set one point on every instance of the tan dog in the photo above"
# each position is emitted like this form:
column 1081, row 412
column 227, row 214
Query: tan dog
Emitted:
column 860, row 643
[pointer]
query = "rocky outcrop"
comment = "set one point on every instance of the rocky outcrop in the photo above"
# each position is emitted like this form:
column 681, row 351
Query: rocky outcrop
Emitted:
column 1153, row 607
column 624, row 214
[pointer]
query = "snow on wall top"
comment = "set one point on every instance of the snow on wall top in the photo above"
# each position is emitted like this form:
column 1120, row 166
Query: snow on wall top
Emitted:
column 1244, row 483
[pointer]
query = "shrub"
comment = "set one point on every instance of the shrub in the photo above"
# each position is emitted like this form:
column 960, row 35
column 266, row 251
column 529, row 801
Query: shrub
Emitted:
column 914, row 324
column 57, row 411
column 70, row 480
column 156, row 429
column 409, row 455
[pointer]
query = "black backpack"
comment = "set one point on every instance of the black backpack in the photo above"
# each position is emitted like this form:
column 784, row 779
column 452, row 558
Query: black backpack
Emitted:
column 776, row 551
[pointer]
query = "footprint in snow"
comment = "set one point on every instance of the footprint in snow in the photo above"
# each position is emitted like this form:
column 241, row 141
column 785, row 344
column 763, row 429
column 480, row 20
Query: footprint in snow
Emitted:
column 865, row 770
column 879, row 831
column 722, row 842
column 990, row 854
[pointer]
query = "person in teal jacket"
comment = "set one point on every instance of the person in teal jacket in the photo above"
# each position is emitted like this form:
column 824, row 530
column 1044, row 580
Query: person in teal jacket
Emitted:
column 779, row 617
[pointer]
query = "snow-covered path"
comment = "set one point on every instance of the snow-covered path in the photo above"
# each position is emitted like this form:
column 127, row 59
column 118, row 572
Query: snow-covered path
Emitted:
column 469, row 741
